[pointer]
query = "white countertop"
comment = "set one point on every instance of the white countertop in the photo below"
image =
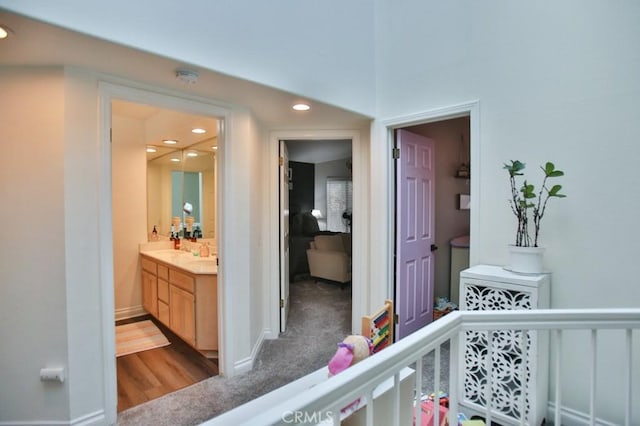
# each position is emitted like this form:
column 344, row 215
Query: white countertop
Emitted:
column 184, row 260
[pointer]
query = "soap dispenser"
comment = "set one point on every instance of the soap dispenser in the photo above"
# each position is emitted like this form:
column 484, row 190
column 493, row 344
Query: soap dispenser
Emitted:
column 204, row 250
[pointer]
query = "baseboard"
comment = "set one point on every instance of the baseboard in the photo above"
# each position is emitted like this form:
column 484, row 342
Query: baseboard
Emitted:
column 571, row 417
column 130, row 312
column 95, row 418
column 246, row 364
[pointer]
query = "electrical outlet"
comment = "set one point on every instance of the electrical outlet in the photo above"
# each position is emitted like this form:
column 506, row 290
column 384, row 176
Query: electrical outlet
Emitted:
column 52, row 374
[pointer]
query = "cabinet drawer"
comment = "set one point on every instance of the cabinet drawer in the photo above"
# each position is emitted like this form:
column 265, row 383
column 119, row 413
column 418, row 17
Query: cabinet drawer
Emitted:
column 149, row 265
column 181, row 280
column 163, row 290
column 163, row 313
column 163, row 272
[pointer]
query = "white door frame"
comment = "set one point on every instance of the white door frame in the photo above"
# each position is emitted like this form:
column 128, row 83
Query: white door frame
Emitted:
column 162, row 99
column 359, row 273
column 471, row 109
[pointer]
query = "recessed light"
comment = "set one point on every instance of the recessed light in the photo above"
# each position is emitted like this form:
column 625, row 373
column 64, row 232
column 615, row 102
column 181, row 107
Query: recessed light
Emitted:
column 4, row 32
column 192, row 154
column 170, row 141
column 214, row 147
column 151, row 149
column 175, row 160
column 198, row 131
column 301, row 107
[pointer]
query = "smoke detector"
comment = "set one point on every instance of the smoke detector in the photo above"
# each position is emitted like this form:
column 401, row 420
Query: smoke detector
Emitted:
column 187, row 76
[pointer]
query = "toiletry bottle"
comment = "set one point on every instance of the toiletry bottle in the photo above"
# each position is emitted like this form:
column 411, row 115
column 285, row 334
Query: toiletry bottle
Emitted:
column 176, row 242
column 204, row 250
column 154, row 234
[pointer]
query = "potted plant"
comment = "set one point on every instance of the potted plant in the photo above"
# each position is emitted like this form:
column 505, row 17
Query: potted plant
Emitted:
column 527, row 204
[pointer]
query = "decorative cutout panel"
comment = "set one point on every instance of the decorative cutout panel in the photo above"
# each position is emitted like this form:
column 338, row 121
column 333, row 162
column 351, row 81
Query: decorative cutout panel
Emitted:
column 508, row 347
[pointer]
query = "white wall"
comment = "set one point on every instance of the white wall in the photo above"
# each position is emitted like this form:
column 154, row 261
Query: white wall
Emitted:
column 556, row 81
column 301, row 47
column 52, row 314
column 83, row 213
column 129, row 206
column 33, row 302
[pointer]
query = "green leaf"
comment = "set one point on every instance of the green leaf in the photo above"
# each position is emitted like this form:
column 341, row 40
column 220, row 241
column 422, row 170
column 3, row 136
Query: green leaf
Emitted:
column 553, row 192
column 514, row 168
column 549, row 170
column 528, row 190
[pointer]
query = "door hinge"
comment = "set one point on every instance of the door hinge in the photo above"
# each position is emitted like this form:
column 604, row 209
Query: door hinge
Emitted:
column 281, row 161
column 110, row 135
column 281, row 303
column 396, row 153
column 396, row 318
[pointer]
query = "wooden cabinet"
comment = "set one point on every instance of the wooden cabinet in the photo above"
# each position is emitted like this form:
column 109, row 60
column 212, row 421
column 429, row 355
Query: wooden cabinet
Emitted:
column 182, row 312
column 149, row 288
column 186, row 303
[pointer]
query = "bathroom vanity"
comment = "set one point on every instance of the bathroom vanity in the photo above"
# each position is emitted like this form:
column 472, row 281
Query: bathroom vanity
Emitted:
column 181, row 291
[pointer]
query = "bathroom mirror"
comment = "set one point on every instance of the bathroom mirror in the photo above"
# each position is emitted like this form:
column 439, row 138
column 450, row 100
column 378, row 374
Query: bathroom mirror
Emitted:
column 179, row 176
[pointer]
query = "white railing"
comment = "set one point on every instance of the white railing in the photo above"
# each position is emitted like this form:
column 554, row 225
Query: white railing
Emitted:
column 315, row 399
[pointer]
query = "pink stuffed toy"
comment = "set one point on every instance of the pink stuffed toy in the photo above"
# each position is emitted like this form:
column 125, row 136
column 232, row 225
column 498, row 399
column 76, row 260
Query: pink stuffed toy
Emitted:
column 351, row 350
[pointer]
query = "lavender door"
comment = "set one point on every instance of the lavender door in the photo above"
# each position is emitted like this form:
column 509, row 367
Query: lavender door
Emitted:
column 415, row 188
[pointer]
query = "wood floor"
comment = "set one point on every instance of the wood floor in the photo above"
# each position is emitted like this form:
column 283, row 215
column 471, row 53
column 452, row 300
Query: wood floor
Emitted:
column 147, row 375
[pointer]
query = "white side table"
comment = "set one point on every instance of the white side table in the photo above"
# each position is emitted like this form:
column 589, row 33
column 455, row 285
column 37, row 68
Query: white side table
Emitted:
column 488, row 287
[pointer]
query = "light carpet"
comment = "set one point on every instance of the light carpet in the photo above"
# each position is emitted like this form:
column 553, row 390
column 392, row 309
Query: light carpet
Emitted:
column 319, row 318
column 137, row 337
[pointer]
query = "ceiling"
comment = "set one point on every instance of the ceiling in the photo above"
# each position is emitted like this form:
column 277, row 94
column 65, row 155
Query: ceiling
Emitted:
column 163, row 124
column 36, row 43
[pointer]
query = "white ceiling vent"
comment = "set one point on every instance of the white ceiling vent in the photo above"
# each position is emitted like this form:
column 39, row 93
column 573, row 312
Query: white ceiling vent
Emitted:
column 187, row 76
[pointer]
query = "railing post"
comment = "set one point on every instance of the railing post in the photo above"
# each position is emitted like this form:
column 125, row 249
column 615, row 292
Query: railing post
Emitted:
column 523, row 376
column 629, row 352
column 594, row 366
column 436, row 387
column 454, row 371
column 489, row 390
column 418, row 392
column 557, row 338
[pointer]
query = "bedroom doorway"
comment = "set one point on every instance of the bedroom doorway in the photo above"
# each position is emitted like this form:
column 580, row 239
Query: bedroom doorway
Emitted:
column 456, row 136
column 315, row 205
column 315, row 145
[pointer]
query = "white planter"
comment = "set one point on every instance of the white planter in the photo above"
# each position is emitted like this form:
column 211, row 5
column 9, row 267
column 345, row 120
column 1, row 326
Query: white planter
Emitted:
column 526, row 260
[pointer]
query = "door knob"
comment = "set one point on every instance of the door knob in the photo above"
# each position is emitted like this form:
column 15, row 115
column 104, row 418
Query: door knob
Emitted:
column 434, row 247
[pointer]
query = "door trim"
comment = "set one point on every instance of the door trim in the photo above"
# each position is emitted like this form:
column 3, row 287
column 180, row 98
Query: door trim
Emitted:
column 386, row 132
column 359, row 267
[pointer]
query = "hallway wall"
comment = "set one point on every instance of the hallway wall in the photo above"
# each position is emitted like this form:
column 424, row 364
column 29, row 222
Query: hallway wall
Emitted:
column 556, row 81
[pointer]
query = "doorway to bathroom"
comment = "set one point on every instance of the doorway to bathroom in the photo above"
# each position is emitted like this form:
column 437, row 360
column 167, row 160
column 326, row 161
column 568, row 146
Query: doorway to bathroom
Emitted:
column 145, row 133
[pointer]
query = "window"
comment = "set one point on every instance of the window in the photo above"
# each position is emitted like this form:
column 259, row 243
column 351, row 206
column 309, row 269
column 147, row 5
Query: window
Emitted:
column 339, row 204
